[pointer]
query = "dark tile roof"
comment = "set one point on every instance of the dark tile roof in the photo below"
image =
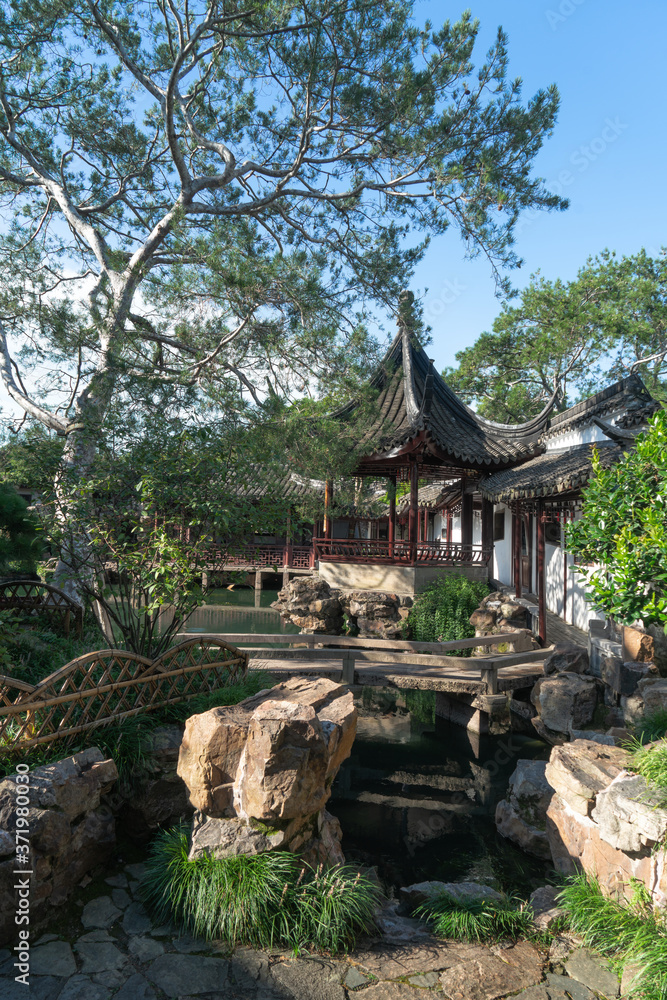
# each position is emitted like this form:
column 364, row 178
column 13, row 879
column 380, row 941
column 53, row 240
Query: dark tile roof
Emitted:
column 415, row 400
column 549, row 474
column 629, row 394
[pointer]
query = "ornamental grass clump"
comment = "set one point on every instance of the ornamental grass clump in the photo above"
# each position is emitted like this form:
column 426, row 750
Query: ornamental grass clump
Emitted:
column 630, row 934
column 263, row 900
column 477, row 919
column 651, row 762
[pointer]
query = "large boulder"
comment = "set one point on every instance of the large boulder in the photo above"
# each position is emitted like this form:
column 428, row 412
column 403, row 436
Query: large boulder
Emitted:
column 522, row 816
column 630, row 814
column 577, row 771
column 374, row 613
column 260, row 773
column 565, row 701
column 567, row 658
column 157, row 795
column 307, row 601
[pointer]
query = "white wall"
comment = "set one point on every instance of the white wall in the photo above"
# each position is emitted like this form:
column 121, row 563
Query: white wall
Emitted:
column 585, row 434
column 502, row 551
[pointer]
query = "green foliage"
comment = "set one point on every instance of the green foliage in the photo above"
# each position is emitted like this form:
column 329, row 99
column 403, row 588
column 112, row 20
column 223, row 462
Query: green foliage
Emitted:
column 651, row 762
column 628, row 934
column 623, row 527
column 477, row 919
column 20, row 544
column 30, row 458
column 265, row 900
column 568, row 338
column 33, row 650
column 442, row 611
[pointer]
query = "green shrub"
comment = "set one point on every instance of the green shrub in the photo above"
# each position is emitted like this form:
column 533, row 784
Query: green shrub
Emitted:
column 652, row 727
column 626, row 933
column 477, row 919
column 263, row 900
column 442, row 611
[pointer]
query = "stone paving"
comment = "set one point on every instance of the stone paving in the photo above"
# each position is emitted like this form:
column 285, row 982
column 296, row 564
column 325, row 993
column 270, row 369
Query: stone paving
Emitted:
column 104, row 945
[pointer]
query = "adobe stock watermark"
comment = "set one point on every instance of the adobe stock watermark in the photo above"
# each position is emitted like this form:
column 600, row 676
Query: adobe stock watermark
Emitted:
column 448, row 293
column 22, row 873
column 580, row 160
column 566, row 8
column 436, row 824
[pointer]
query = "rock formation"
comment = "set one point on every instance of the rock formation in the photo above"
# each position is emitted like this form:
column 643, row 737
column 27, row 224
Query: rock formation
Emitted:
column 259, row 773
column 605, row 820
column 498, row 613
column 70, row 831
column 311, row 604
column 522, row 816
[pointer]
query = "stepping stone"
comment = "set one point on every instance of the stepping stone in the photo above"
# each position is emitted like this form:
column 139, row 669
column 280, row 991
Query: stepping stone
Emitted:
column 306, row 978
column 393, row 991
column 145, row 949
column 40, row 988
column 45, row 938
column 136, row 988
column 427, row 980
column 134, row 887
column 588, row 968
column 136, row 871
column 354, row 979
column 248, row 967
column 100, row 912
column 120, row 899
column 83, row 988
column 495, row 974
column 100, row 957
column 398, row 961
column 557, row 988
column 111, row 979
column 136, row 920
column 189, row 975
column 164, row 930
column 54, row 958
column 187, row 944
column 119, row 881
column 94, row 936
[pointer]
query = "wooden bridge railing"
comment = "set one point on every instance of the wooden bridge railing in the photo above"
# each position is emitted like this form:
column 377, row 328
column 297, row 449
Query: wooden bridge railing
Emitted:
column 31, row 596
column 386, row 651
column 379, row 550
column 106, row 686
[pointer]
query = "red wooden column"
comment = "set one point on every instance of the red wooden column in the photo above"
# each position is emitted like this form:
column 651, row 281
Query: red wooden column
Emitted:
column 449, row 527
column 391, row 533
column 466, row 519
column 541, row 581
column 517, row 548
column 328, row 496
column 425, row 538
column 412, row 516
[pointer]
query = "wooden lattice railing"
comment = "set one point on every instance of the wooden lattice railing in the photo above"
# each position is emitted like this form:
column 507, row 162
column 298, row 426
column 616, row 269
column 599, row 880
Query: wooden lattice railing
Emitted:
column 32, row 596
column 109, row 685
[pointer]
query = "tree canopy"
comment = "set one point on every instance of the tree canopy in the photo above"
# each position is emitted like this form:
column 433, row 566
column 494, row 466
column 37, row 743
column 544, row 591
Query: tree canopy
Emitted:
column 213, row 196
column 622, row 533
column 567, row 338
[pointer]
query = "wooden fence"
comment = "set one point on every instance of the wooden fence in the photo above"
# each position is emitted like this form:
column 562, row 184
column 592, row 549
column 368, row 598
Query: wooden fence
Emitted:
column 109, row 685
column 33, row 596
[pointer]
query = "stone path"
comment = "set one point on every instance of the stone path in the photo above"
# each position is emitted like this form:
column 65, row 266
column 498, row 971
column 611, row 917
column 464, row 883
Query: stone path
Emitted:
column 104, row 945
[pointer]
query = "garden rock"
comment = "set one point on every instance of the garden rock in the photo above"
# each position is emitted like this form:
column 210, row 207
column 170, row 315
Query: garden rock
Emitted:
column 589, row 969
column 414, row 895
column 521, row 817
column 579, row 770
column 262, row 771
column 493, row 973
column 189, row 975
column 135, row 988
column 158, row 796
column 374, row 614
column 544, row 904
column 567, row 658
column 308, row 978
column 565, row 701
column 52, row 959
column 653, row 692
column 557, row 988
column 307, row 601
column 629, row 815
column 100, row 912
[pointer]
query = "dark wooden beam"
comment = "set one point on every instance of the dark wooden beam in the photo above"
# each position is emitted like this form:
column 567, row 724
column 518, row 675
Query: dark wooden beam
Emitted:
column 466, row 519
column 541, row 581
column 328, row 497
column 517, row 548
column 412, row 516
column 391, row 531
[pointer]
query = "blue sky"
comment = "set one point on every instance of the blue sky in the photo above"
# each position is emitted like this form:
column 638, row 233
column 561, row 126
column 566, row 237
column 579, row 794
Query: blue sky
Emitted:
column 609, row 149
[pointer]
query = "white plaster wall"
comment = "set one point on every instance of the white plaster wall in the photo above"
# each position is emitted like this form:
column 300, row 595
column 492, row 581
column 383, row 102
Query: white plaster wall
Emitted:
column 586, row 434
column 456, row 528
column 477, row 527
column 502, row 550
column 439, row 524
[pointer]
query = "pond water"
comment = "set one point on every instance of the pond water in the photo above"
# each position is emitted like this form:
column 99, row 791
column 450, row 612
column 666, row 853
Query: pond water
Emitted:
column 235, row 611
column 417, row 796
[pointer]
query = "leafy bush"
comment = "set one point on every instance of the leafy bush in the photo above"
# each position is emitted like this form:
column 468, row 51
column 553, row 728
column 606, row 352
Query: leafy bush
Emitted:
column 442, row 611
column 623, row 531
column 264, row 900
column 627, row 933
column 477, row 919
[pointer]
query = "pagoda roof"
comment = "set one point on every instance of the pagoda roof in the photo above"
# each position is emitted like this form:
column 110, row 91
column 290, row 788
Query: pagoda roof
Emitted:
column 419, row 414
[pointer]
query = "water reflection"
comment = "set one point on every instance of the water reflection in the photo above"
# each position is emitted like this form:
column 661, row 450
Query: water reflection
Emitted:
column 418, row 795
